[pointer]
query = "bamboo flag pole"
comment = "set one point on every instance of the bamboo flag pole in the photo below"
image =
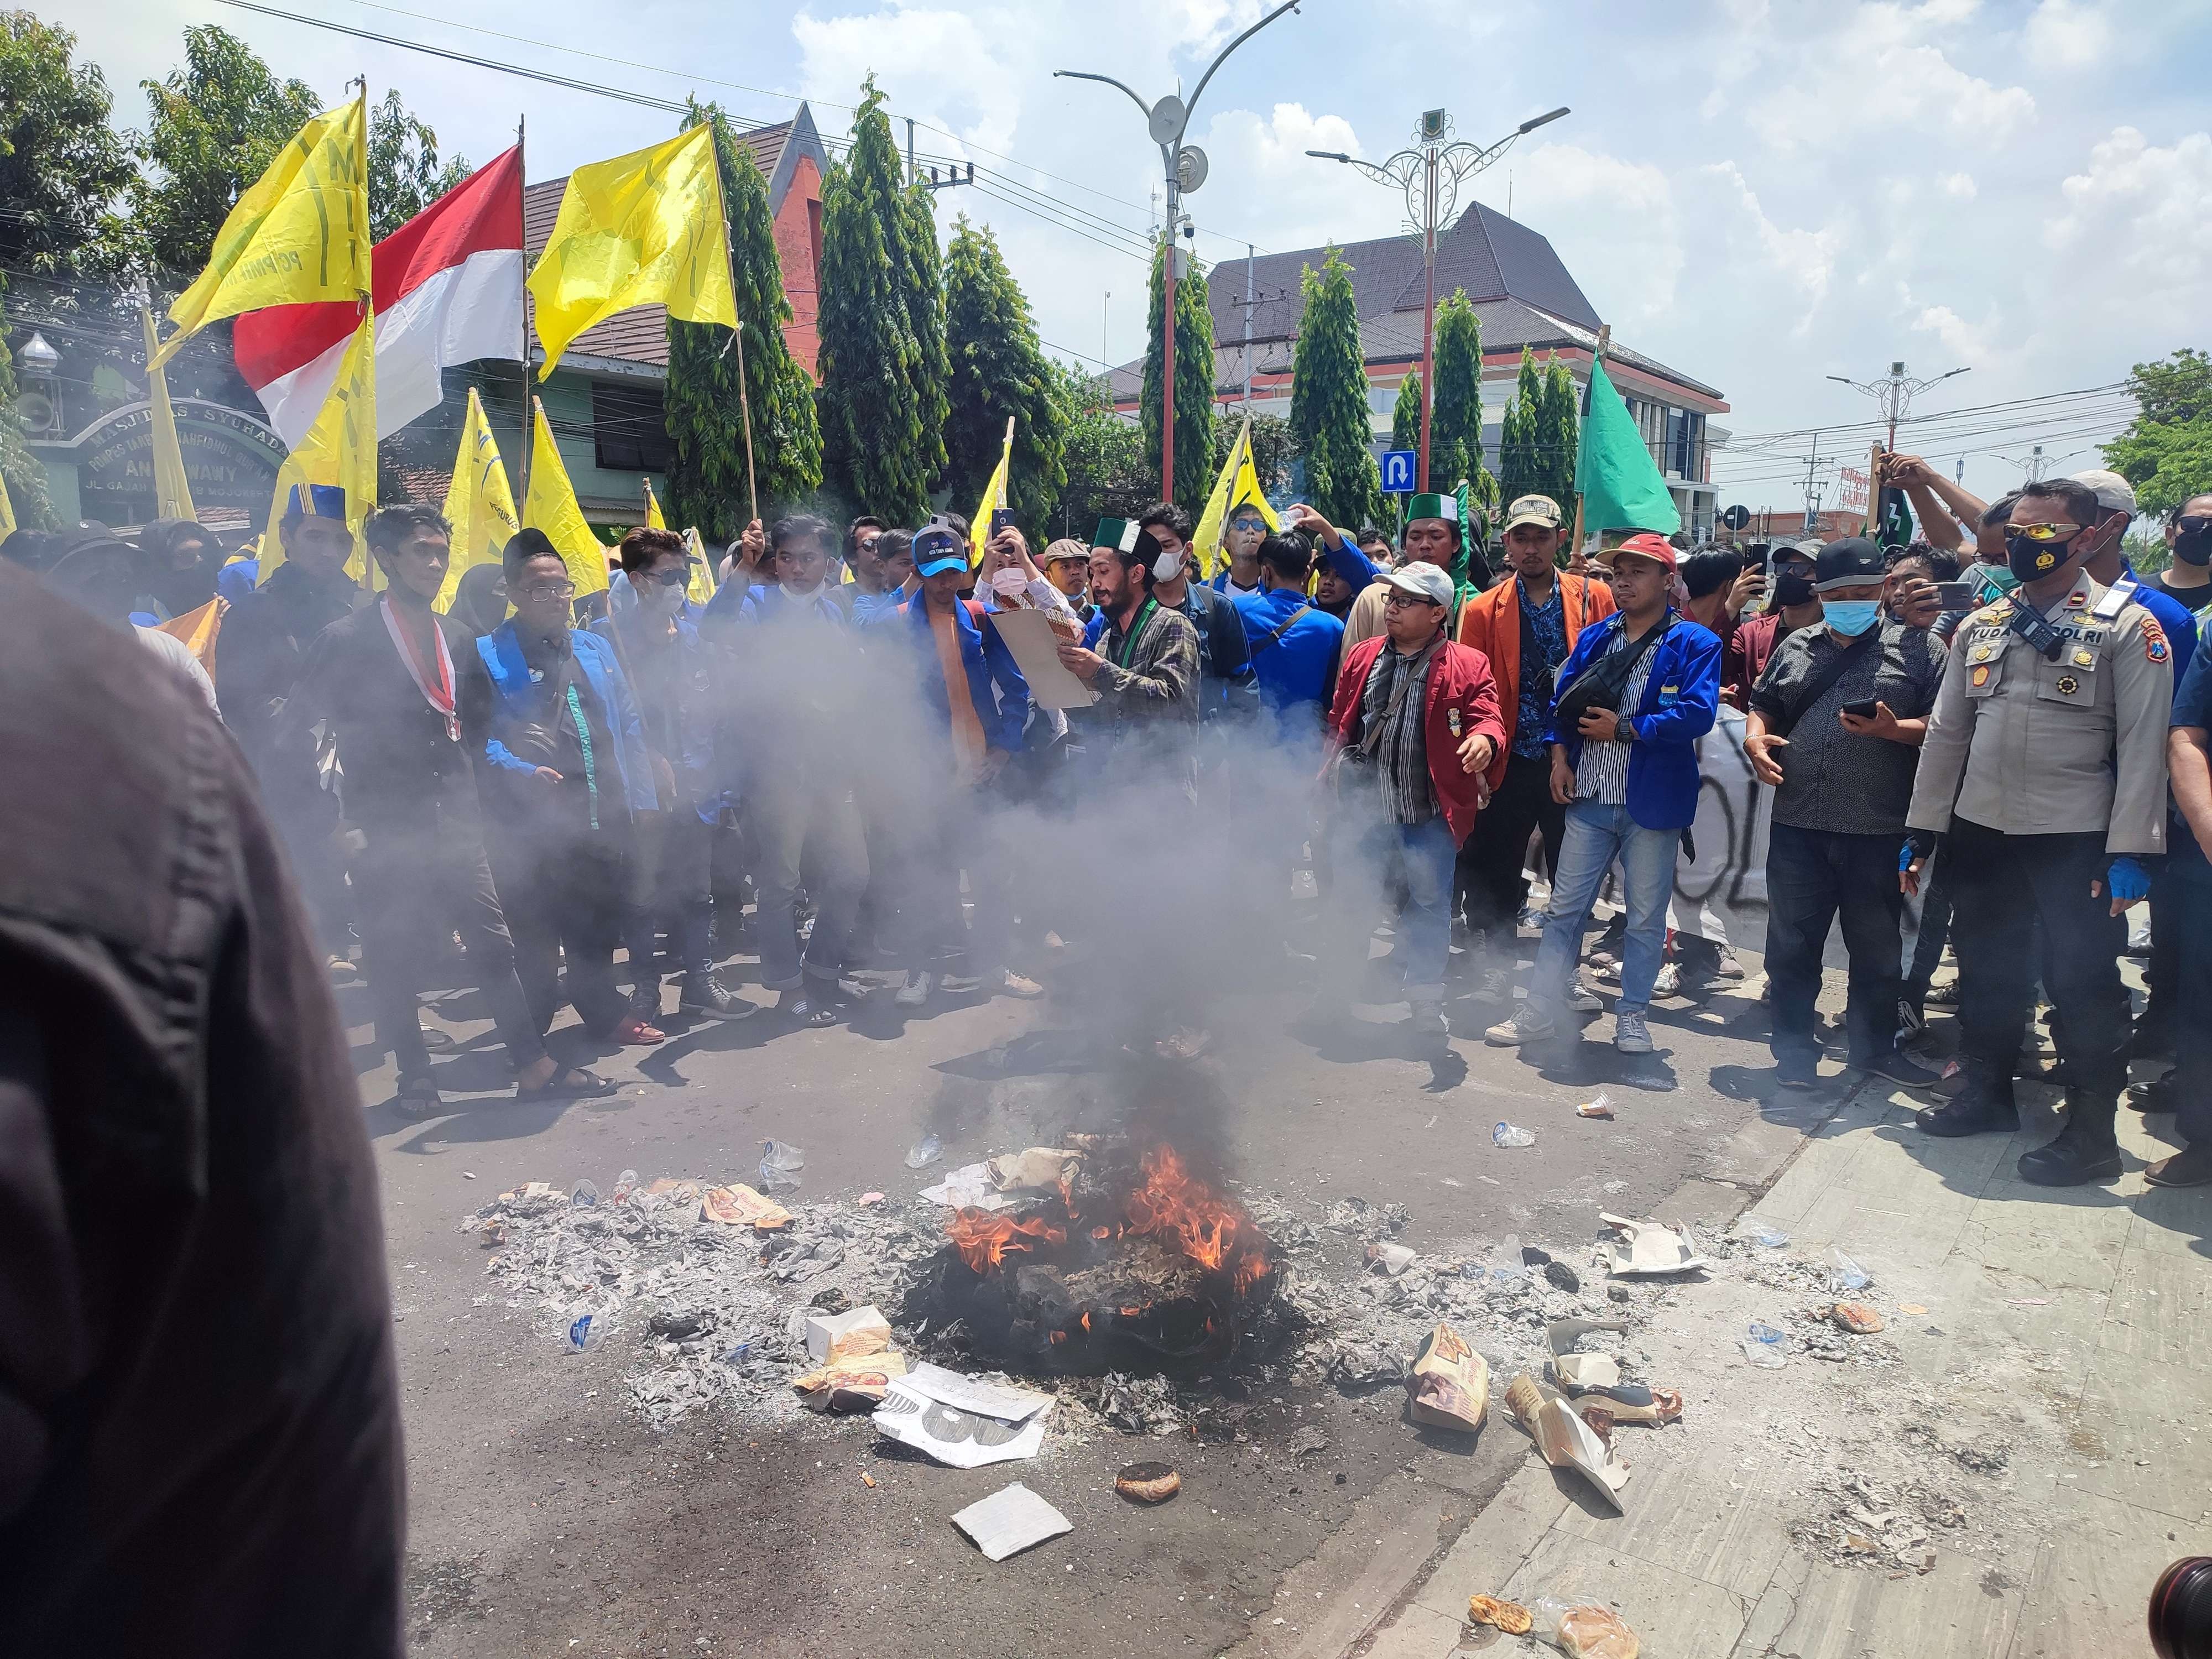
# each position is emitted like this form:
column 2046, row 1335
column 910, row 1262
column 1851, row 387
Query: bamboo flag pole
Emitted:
column 529, row 433
column 744, row 397
column 1604, row 339
column 1874, row 490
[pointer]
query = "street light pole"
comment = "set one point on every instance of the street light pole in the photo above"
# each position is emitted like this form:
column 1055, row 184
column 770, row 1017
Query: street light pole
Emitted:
column 1184, row 167
column 1894, row 392
column 1431, row 175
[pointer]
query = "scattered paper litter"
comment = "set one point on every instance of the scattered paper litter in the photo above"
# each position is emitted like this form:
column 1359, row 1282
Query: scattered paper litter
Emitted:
column 1653, row 1250
column 969, row 1186
column 740, row 1206
column 1038, row 1167
column 1010, row 1521
column 971, row 1393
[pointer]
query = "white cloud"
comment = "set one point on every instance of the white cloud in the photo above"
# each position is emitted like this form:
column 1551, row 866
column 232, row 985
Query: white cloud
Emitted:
column 2146, row 213
column 2064, row 34
column 1613, row 221
column 1960, row 186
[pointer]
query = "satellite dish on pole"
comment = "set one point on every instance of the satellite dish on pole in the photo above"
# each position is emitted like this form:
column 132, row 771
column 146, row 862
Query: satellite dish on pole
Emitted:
column 1167, row 119
column 1190, row 166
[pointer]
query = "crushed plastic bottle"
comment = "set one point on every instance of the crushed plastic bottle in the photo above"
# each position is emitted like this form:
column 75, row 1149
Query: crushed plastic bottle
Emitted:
column 1509, row 1135
column 625, row 1184
column 1762, row 1346
column 742, row 1350
column 1601, row 1107
column 583, row 1195
column 778, row 1161
column 926, row 1152
column 1766, row 1237
column 579, row 1333
column 1847, row 1274
column 1507, row 1265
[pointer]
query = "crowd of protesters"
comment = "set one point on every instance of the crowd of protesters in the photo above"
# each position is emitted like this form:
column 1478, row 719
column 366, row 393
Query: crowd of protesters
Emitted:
column 838, row 765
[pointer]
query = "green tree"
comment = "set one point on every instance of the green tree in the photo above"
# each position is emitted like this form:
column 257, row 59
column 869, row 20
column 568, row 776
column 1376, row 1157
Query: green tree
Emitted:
column 1102, row 456
column 1557, row 432
column 404, row 174
column 1193, row 382
column 1456, row 421
column 882, row 402
column 1520, row 469
column 1405, row 414
column 216, row 125
column 1329, row 400
column 1274, row 451
column 704, row 411
column 2166, row 451
column 998, row 371
column 63, row 169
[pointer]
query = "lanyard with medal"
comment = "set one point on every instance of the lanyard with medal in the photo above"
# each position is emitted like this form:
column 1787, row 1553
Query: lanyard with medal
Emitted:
column 439, row 696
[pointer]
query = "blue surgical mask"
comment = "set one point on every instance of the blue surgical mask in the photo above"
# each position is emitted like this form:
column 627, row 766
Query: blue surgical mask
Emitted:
column 1850, row 617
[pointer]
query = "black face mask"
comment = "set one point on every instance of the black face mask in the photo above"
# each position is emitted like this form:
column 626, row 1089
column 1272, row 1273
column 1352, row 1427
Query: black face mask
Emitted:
column 2194, row 546
column 1792, row 588
column 2032, row 560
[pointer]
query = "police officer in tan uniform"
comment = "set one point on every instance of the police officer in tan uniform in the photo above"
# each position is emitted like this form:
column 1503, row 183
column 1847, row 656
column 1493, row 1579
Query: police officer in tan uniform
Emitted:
column 2046, row 763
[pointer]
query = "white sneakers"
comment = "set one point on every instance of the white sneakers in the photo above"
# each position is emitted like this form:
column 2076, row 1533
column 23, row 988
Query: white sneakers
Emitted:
column 915, row 992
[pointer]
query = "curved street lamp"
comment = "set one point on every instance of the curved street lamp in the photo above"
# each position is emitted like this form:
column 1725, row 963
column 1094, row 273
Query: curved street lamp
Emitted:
column 1431, row 175
column 1185, row 167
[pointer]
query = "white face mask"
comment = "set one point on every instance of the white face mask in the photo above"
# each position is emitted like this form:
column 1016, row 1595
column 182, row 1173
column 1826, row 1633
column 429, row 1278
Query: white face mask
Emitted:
column 1167, row 566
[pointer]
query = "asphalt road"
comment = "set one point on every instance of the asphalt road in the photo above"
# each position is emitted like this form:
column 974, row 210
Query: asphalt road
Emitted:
column 546, row 1520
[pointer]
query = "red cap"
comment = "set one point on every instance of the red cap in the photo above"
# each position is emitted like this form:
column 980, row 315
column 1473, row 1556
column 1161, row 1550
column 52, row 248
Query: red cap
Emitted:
column 1651, row 545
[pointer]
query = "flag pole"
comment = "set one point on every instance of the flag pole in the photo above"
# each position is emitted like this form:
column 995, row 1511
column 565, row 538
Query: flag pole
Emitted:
column 368, row 310
column 529, row 400
column 1589, row 386
column 1874, row 489
column 744, row 397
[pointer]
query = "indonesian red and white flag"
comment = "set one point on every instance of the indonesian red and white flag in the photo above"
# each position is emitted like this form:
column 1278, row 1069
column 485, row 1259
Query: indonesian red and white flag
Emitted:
column 447, row 289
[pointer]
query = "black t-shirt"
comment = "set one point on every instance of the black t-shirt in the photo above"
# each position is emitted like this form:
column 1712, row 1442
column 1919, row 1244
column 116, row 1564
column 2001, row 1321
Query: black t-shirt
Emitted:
column 2195, row 598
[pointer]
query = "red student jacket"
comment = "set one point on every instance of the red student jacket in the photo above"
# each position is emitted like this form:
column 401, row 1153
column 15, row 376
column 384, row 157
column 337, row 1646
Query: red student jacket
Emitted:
column 1460, row 683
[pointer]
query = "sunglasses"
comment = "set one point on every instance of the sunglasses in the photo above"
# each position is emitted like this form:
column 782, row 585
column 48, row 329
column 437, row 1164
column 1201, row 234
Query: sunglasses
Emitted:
column 2192, row 524
column 665, row 578
column 547, row 591
column 2042, row 532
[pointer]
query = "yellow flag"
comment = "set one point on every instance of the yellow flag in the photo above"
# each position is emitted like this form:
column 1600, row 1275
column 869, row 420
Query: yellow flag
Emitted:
column 702, row 586
column 299, row 234
column 642, row 227
column 652, row 519
column 7, row 513
column 1236, row 484
column 172, row 491
column 478, row 503
column 198, row 629
column 551, row 505
column 994, row 497
column 340, row 448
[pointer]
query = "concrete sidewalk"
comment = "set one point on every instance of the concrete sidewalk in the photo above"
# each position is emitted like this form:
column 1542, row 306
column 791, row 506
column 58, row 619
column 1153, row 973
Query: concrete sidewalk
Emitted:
column 2040, row 1390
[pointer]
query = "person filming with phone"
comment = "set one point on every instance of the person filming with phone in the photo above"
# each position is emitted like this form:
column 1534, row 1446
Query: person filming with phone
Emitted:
column 1835, row 727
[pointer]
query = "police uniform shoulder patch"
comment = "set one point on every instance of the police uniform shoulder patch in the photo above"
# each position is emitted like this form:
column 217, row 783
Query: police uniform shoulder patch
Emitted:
column 1982, row 675
column 2151, row 630
column 2155, row 650
column 2076, row 600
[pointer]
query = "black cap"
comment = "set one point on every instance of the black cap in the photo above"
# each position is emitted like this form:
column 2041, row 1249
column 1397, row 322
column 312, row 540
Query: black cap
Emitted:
column 1854, row 561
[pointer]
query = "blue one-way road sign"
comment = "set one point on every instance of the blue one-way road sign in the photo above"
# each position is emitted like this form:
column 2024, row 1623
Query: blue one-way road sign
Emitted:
column 1400, row 468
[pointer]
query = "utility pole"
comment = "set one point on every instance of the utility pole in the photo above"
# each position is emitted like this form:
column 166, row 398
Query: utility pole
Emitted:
column 1105, row 362
column 1815, row 488
column 934, row 184
column 1430, row 175
column 1248, row 303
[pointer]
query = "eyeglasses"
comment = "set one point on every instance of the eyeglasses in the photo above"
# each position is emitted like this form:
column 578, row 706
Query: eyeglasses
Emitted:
column 2042, row 532
column 547, row 591
column 1399, row 601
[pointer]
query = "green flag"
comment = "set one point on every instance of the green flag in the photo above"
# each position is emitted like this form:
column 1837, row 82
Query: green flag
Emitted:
column 1620, row 484
column 1893, row 518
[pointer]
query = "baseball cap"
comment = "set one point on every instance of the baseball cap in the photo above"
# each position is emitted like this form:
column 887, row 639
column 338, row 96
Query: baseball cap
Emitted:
column 1421, row 581
column 1534, row 509
column 938, row 547
column 1854, row 561
column 2113, row 493
column 1648, row 545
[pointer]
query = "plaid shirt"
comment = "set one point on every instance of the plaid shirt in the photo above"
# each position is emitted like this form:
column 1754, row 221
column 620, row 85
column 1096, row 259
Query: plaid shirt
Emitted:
column 1393, row 747
column 1151, row 684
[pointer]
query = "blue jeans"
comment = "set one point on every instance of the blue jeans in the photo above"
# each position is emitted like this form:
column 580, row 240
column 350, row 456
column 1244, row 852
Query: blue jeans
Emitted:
column 1595, row 836
column 1364, row 855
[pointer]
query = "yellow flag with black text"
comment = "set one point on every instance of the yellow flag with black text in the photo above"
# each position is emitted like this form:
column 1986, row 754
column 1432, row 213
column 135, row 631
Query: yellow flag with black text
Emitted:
column 551, row 505
column 479, row 502
column 298, row 234
column 643, row 227
column 340, row 448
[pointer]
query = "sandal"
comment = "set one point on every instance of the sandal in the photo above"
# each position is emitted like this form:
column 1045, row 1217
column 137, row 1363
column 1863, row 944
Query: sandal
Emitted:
column 631, row 1029
column 570, row 1082
column 417, row 1098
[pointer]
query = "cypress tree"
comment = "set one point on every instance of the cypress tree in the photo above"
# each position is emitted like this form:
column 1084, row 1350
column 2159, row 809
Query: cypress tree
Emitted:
column 999, row 370
column 1193, row 382
column 1455, row 437
column 1328, row 401
column 1520, row 470
column 704, row 415
column 1405, row 414
column 882, row 400
column 1559, row 432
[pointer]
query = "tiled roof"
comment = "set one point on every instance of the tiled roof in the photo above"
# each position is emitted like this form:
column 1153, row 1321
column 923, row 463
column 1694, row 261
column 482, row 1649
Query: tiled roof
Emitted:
column 640, row 335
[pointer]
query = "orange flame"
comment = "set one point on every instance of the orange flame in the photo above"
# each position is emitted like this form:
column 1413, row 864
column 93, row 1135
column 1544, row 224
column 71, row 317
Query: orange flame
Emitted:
column 1209, row 1229
column 983, row 1239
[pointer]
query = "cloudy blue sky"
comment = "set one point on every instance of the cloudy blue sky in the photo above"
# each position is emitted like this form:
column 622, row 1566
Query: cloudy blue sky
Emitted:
column 1760, row 192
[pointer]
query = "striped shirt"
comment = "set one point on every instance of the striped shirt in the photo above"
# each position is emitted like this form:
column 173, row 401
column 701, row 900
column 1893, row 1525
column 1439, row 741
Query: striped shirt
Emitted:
column 1601, row 773
column 1392, row 743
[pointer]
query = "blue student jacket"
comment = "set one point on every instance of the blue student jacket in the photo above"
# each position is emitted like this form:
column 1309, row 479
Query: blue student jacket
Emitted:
column 707, row 774
column 2179, row 621
column 1003, row 711
column 1294, row 669
column 1680, row 698
column 514, row 699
